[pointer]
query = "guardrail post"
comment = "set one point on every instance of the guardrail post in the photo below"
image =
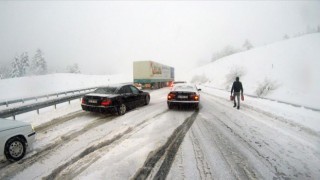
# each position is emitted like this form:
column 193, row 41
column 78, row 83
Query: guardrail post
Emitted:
column 14, row 117
column 55, row 106
column 37, row 111
column 7, row 104
column 69, row 101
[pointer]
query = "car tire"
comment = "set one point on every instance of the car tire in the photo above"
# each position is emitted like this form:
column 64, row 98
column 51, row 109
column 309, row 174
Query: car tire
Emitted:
column 122, row 109
column 15, row 149
column 147, row 100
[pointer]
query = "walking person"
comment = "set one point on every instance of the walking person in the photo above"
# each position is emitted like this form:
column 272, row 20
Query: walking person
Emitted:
column 236, row 90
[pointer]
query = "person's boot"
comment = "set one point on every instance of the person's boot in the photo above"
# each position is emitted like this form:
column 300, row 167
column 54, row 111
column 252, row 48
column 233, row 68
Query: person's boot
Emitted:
column 238, row 107
column 234, row 105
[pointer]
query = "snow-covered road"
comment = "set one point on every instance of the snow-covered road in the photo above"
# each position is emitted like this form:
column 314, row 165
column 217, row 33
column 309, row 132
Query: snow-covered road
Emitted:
column 225, row 143
column 151, row 142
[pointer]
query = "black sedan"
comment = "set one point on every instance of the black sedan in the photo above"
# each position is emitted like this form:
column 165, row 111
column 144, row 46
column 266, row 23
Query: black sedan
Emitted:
column 115, row 99
column 184, row 95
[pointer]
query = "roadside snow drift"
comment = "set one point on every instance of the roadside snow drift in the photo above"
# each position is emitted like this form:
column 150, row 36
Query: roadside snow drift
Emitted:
column 287, row 71
column 23, row 87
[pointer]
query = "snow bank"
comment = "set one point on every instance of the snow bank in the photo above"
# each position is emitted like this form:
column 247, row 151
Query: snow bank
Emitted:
column 46, row 84
column 290, row 66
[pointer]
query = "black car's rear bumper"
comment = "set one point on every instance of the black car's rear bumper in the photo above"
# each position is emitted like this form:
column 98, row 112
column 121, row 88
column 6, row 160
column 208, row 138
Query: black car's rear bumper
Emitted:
column 183, row 103
column 101, row 109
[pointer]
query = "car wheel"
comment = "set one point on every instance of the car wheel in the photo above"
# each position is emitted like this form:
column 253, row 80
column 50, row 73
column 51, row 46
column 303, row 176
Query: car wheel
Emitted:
column 147, row 100
column 15, row 149
column 122, row 109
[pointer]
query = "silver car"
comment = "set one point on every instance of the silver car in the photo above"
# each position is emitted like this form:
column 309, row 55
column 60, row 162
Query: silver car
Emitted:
column 16, row 138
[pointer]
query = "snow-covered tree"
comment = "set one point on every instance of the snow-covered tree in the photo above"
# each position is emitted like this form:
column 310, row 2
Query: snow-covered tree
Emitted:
column 20, row 65
column 4, row 72
column 247, row 45
column 38, row 64
column 73, row 68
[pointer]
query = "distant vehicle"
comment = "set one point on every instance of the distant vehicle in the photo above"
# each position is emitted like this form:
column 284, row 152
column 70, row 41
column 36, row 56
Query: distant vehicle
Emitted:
column 115, row 99
column 152, row 75
column 177, row 82
column 16, row 138
column 182, row 95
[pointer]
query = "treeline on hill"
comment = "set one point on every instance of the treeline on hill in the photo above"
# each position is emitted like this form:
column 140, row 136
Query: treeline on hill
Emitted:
column 22, row 65
column 247, row 45
column 229, row 50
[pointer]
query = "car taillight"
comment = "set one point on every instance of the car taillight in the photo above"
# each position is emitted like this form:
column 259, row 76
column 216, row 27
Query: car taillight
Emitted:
column 195, row 97
column 171, row 96
column 83, row 101
column 106, row 102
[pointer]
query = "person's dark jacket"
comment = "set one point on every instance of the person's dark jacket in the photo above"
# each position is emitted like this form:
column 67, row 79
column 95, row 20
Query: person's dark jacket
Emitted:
column 237, row 87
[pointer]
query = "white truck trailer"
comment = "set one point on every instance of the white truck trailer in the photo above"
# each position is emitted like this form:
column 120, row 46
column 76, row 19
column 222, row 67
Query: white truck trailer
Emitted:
column 153, row 75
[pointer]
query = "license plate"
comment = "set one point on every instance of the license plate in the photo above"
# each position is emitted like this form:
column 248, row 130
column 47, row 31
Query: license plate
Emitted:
column 92, row 101
column 183, row 97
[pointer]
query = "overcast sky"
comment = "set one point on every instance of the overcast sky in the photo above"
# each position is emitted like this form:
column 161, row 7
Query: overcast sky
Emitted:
column 104, row 37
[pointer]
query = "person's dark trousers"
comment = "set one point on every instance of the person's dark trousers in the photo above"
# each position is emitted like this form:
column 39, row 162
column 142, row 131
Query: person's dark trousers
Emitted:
column 236, row 95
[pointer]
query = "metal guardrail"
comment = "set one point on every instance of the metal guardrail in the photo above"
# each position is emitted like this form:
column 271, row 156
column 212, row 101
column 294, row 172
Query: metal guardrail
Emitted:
column 36, row 106
column 12, row 112
column 22, row 100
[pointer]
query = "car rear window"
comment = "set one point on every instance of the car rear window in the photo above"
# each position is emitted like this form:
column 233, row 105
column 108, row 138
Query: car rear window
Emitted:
column 107, row 90
column 184, row 88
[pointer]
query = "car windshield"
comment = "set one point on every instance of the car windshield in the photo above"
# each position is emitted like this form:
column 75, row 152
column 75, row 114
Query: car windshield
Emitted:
column 107, row 90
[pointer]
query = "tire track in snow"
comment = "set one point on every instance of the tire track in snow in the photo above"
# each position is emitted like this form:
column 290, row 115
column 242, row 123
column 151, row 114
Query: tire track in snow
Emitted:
column 13, row 168
column 263, row 147
column 89, row 152
column 229, row 154
column 202, row 165
column 60, row 120
column 168, row 151
column 281, row 119
column 47, row 125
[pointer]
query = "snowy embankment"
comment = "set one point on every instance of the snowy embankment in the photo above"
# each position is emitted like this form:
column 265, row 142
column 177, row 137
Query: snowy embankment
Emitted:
column 23, row 87
column 287, row 71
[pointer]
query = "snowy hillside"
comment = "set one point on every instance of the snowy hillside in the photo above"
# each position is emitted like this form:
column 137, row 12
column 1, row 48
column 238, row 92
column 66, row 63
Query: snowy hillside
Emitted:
column 289, row 69
column 41, row 85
